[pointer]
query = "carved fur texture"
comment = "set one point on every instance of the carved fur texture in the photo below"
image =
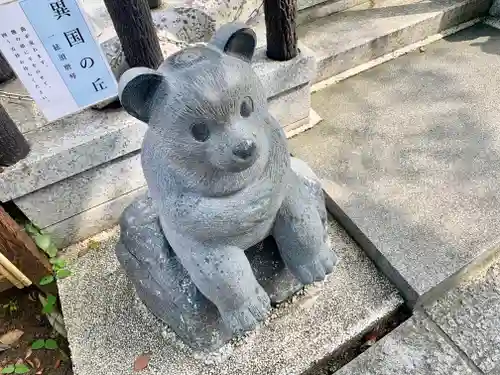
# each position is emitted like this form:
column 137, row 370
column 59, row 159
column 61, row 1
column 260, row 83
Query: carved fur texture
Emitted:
column 220, row 180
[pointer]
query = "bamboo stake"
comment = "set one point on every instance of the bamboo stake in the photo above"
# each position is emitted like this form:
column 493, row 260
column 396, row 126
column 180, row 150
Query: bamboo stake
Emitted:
column 13, row 271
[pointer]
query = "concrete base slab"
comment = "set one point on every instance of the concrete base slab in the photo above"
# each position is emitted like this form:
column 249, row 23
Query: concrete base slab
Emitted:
column 70, row 146
column 413, row 149
column 105, row 320
column 20, row 107
column 87, row 223
column 414, row 348
column 469, row 315
column 291, row 106
column 353, row 37
column 84, row 191
column 309, row 10
column 302, row 125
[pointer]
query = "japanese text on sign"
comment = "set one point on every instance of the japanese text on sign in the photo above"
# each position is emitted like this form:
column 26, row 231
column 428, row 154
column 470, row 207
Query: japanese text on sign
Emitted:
column 50, row 46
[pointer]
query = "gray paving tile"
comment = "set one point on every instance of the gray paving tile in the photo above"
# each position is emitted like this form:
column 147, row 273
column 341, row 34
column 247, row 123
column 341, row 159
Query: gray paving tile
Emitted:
column 470, row 316
column 414, row 348
column 413, row 149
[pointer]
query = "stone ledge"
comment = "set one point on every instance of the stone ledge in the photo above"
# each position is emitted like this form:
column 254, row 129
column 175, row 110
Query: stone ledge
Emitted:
column 87, row 223
column 279, row 77
column 90, row 138
column 83, row 191
column 468, row 314
column 347, row 39
column 414, row 348
column 70, row 146
column 104, row 320
column 416, row 167
column 314, row 9
column 292, row 106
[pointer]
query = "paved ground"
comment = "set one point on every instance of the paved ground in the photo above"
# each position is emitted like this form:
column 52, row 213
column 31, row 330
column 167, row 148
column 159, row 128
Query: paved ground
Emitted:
column 413, row 147
column 413, row 150
column 458, row 334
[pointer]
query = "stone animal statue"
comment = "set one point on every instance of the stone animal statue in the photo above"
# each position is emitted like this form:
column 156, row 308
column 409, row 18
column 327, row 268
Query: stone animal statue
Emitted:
column 220, row 180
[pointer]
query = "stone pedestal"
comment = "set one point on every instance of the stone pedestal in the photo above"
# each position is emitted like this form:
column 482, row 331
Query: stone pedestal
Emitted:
column 105, row 319
column 168, row 291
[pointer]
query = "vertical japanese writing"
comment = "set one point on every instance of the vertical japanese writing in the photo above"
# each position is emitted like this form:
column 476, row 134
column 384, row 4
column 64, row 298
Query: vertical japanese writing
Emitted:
column 55, row 54
column 21, row 41
column 99, row 85
column 74, row 37
column 87, row 62
column 60, row 9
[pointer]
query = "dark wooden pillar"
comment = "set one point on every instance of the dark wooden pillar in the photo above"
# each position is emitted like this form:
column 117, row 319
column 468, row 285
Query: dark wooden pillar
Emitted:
column 281, row 29
column 134, row 27
column 17, row 246
column 6, row 72
column 13, row 145
column 153, row 4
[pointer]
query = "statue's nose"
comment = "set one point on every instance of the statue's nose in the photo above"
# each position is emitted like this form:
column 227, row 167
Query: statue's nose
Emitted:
column 245, row 149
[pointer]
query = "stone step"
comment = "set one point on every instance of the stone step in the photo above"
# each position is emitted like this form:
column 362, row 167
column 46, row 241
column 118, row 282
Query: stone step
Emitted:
column 309, row 10
column 70, row 146
column 469, row 315
column 417, row 347
column 412, row 153
column 459, row 333
column 104, row 319
column 345, row 40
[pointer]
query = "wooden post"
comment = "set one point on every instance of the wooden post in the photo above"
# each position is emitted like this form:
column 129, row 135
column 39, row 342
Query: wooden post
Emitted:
column 13, row 145
column 134, row 27
column 153, row 4
column 6, row 71
column 281, row 28
column 17, row 246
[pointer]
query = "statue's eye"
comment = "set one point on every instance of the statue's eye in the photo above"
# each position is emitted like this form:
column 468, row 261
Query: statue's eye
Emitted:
column 200, row 132
column 246, row 107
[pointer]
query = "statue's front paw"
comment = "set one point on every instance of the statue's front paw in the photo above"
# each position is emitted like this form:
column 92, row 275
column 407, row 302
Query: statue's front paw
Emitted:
column 246, row 317
column 317, row 268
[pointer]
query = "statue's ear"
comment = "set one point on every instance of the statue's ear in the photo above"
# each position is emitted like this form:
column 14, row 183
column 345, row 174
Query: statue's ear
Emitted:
column 136, row 90
column 236, row 39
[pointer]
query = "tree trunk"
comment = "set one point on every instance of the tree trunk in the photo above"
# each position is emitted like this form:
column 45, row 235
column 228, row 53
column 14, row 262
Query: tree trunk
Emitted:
column 6, row 72
column 281, row 29
column 153, row 4
column 13, row 145
column 134, row 27
column 17, row 246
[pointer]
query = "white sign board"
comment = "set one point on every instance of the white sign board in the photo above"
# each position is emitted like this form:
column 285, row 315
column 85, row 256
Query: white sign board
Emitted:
column 50, row 46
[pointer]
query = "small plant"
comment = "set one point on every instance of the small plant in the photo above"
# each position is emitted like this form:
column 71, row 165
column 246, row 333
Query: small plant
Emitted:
column 93, row 245
column 49, row 302
column 49, row 344
column 19, row 368
column 11, row 307
column 50, row 305
column 42, row 239
column 45, row 243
